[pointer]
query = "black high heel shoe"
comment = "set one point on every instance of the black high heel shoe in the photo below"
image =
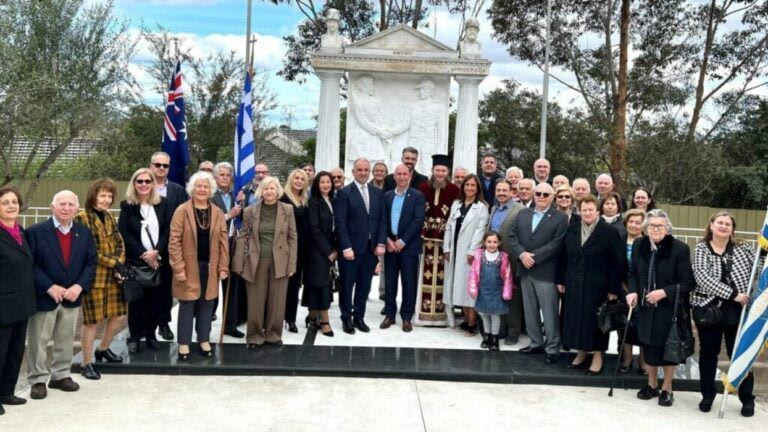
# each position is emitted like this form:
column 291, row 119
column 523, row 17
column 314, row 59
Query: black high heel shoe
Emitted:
column 183, row 356
column 590, row 372
column 329, row 333
column 292, row 327
column 108, row 356
column 308, row 320
column 205, row 353
column 583, row 365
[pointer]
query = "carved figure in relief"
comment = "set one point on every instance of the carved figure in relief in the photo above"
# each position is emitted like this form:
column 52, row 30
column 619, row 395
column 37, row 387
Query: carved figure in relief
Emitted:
column 375, row 143
column 469, row 47
column 331, row 41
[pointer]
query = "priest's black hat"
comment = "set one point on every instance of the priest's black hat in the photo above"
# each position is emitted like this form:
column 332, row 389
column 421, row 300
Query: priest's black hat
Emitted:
column 441, row 159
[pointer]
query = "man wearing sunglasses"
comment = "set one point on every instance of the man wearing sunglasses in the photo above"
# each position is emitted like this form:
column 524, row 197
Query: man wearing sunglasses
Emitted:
column 247, row 195
column 175, row 195
column 536, row 239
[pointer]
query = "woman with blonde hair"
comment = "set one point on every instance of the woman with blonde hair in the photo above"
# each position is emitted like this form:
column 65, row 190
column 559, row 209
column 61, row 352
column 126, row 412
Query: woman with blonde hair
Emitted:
column 266, row 260
column 144, row 229
column 296, row 194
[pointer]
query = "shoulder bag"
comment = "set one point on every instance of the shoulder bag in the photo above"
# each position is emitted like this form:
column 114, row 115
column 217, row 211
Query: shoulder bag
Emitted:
column 680, row 342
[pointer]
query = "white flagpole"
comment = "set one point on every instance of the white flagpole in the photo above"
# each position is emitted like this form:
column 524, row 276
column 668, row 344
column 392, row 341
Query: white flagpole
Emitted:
column 721, row 413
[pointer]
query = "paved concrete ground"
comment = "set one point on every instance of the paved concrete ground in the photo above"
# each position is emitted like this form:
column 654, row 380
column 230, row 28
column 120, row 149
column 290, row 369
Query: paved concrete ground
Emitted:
column 145, row 403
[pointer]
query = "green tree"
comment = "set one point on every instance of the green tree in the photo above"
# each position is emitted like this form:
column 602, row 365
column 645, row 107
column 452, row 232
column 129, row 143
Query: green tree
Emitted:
column 63, row 74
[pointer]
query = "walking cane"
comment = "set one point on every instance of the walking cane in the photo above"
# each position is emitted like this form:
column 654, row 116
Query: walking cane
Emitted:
column 224, row 315
column 621, row 350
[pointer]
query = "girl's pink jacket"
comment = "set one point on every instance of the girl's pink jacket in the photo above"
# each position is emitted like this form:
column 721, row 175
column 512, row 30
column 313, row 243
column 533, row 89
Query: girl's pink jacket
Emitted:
column 506, row 275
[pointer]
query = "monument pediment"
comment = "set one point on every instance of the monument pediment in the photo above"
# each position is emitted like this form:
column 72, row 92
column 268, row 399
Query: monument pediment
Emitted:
column 401, row 40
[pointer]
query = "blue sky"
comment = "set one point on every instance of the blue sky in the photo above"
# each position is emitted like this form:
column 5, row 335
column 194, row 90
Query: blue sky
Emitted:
column 211, row 25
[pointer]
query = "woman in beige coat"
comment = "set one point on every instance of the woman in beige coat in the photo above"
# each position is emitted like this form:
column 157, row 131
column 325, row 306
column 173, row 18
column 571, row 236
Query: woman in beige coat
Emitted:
column 268, row 259
column 199, row 251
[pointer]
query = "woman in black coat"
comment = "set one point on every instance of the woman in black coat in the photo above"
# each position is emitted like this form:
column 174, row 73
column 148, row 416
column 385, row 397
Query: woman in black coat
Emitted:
column 297, row 194
column 668, row 259
column 591, row 272
column 321, row 252
column 17, row 294
column 145, row 233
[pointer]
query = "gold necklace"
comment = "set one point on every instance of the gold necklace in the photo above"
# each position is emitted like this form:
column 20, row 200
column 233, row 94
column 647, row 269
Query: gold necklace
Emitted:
column 202, row 218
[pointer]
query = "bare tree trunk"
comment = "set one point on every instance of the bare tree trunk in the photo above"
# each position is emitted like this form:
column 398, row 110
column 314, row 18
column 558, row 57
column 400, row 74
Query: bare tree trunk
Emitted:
column 618, row 147
column 699, row 102
column 383, row 14
column 416, row 14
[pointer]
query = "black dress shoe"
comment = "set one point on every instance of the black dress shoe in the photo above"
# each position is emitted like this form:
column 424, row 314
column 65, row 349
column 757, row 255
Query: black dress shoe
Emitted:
column 531, row 350
column 205, row 353
column 348, row 327
column 108, row 356
column 591, row 372
column 133, row 346
column 235, row 333
column 647, row 393
column 89, row 372
column 748, row 407
column 12, row 400
column 551, row 358
column 153, row 344
column 361, row 325
column 166, row 332
column 666, row 399
column 292, row 327
column 706, row 404
column 407, row 326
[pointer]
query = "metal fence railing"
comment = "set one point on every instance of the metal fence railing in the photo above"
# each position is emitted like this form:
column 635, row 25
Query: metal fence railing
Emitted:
column 33, row 215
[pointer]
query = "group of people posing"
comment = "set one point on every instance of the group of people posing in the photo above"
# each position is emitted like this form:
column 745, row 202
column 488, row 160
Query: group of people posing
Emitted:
column 488, row 254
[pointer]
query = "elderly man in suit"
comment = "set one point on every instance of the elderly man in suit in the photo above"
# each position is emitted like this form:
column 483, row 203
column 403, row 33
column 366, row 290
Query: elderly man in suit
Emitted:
column 65, row 264
column 361, row 227
column 535, row 240
column 503, row 216
column 404, row 208
column 224, row 198
column 175, row 195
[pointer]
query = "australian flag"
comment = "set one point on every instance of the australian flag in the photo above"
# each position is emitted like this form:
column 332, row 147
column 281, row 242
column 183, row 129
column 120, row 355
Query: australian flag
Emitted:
column 175, row 129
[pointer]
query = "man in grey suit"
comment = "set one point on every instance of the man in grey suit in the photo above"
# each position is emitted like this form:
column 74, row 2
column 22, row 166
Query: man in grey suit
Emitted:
column 503, row 216
column 535, row 239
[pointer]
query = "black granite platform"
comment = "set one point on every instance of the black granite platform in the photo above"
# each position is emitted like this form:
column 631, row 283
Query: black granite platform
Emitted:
column 405, row 363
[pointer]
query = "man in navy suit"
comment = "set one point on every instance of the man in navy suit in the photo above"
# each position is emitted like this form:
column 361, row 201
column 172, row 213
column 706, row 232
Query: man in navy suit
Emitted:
column 489, row 177
column 361, row 227
column 65, row 265
column 175, row 195
column 405, row 208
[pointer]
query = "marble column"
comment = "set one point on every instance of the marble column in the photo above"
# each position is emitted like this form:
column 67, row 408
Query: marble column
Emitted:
column 465, row 143
column 327, row 147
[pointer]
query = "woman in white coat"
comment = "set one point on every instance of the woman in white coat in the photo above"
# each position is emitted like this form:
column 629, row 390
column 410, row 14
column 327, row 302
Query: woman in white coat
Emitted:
column 463, row 235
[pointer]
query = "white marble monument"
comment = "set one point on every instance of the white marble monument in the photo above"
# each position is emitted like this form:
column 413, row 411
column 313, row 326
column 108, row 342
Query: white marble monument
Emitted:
column 398, row 96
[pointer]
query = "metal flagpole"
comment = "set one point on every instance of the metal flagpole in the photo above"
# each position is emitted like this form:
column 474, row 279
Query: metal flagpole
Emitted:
column 248, row 36
column 545, row 92
column 721, row 413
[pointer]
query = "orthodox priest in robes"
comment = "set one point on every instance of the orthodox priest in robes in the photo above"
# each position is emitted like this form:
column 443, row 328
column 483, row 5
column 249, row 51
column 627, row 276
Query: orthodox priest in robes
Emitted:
column 440, row 194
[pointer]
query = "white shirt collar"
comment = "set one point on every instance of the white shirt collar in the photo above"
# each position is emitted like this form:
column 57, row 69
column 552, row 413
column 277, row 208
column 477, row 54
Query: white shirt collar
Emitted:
column 61, row 227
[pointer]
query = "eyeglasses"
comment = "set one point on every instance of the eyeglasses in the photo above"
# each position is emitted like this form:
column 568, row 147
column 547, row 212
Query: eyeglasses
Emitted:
column 141, row 181
column 262, row 172
column 656, row 227
column 563, row 197
column 336, row 177
column 543, row 194
column 161, row 165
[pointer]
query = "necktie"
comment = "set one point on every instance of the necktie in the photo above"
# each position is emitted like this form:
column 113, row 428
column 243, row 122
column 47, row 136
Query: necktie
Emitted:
column 364, row 193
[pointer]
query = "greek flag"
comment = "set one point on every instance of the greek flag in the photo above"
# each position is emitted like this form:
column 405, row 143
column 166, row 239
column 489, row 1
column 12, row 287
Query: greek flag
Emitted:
column 244, row 146
column 752, row 340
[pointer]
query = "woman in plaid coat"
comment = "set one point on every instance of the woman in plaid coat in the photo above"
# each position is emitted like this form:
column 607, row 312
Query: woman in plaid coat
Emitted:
column 104, row 301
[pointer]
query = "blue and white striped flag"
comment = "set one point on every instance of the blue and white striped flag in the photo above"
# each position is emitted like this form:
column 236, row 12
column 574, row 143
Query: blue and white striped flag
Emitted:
column 244, row 145
column 754, row 328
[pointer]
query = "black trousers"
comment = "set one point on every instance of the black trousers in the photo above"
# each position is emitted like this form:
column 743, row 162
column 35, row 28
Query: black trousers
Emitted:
column 710, row 339
column 165, row 297
column 292, row 297
column 148, row 312
column 12, row 338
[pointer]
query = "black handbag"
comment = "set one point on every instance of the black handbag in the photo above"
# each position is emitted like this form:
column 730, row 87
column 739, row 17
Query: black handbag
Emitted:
column 680, row 342
column 146, row 276
column 129, row 288
column 612, row 315
column 707, row 315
